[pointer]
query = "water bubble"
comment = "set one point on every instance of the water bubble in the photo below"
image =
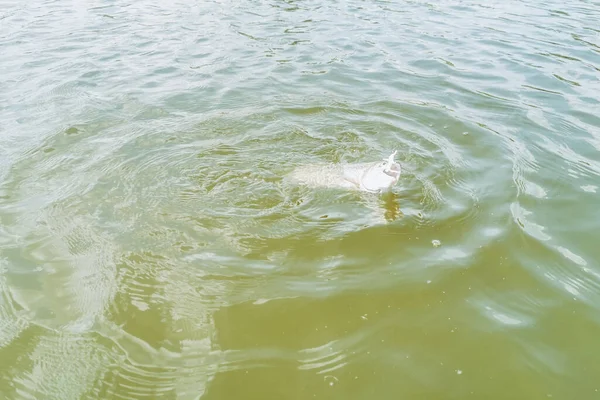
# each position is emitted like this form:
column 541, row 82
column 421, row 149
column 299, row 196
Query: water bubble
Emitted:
column 331, row 380
column 436, row 243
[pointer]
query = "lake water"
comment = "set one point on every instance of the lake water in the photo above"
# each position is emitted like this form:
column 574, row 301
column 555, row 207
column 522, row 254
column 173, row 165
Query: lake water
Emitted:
column 151, row 247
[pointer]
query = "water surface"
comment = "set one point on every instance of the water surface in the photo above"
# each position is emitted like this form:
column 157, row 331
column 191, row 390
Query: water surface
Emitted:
column 150, row 246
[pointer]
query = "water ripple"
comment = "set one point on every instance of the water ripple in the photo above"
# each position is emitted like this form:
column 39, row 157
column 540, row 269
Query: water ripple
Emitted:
column 151, row 246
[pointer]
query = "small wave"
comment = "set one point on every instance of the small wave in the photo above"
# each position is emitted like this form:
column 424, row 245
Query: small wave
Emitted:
column 11, row 314
column 514, row 310
column 62, row 366
column 79, row 270
column 520, row 216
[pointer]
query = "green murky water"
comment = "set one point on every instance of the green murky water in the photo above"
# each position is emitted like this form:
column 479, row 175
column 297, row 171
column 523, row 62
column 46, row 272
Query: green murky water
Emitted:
column 150, row 246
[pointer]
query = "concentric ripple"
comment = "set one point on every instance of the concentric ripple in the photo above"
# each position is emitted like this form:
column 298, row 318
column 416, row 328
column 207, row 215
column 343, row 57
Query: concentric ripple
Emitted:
column 151, row 245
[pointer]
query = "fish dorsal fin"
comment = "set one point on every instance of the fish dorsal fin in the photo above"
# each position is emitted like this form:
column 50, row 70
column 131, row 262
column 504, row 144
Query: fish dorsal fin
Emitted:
column 390, row 159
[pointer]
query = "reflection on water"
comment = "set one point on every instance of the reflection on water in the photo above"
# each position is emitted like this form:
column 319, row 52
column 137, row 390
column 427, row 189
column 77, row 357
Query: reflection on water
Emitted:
column 150, row 245
column 391, row 204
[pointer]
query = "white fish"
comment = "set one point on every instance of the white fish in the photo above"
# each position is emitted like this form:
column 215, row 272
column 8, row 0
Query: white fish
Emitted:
column 374, row 177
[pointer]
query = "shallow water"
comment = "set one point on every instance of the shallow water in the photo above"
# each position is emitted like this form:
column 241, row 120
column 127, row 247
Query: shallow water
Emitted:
column 151, row 247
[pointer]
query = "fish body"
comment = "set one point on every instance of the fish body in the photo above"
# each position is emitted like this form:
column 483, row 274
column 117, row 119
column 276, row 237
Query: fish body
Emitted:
column 374, row 177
